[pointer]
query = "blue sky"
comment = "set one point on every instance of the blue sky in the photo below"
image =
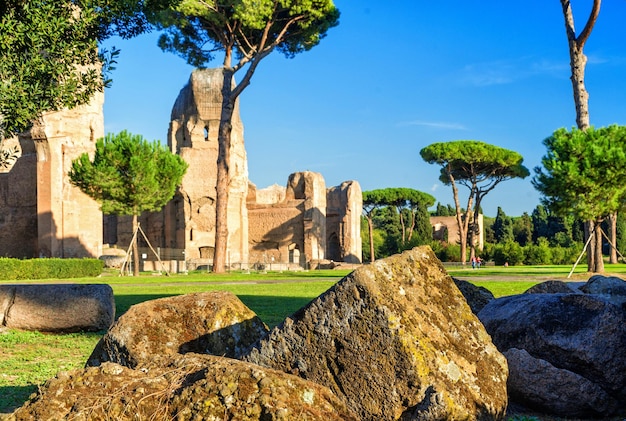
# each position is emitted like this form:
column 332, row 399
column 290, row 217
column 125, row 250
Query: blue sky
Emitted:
column 393, row 77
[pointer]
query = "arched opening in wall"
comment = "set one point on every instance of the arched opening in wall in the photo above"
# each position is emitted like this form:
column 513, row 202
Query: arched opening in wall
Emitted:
column 294, row 253
column 334, row 248
column 191, row 234
column 207, row 252
column 440, row 232
column 206, row 133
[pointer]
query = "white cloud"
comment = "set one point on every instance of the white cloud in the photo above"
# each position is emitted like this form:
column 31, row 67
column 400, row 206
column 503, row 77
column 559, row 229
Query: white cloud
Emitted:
column 500, row 72
column 436, row 124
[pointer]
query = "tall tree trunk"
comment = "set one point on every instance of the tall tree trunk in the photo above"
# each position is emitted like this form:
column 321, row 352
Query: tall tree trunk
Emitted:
column 462, row 220
column 370, row 226
column 403, row 227
column 578, row 61
column 598, row 260
column 135, row 247
column 475, row 228
column 613, row 237
column 223, row 173
column 589, row 228
column 412, row 227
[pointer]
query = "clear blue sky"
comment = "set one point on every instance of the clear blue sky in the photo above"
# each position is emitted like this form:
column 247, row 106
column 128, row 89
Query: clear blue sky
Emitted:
column 393, row 77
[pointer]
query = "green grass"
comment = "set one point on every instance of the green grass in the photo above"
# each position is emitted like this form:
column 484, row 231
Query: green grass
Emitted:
column 28, row 359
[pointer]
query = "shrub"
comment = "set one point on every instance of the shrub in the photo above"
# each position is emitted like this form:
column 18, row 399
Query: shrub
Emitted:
column 509, row 252
column 538, row 254
column 15, row 269
column 566, row 255
column 446, row 252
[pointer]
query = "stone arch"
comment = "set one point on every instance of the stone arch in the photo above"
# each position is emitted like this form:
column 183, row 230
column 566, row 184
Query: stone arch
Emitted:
column 294, row 253
column 333, row 246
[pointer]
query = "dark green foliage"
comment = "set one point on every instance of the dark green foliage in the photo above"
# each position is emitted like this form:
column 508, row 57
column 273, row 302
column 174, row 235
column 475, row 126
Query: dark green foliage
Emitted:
column 478, row 166
column 441, row 210
column 621, row 233
column 41, row 46
column 401, row 217
column 523, row 229
column 559, row 230
column 128, row 174
column 538, row 254
column 195, row 31
column 509, row 252
column 48, row 53
column 16, row 269
column 584, row 172
column 422, row 231
column 446, row 252
column 470, row 161
column 502, row 227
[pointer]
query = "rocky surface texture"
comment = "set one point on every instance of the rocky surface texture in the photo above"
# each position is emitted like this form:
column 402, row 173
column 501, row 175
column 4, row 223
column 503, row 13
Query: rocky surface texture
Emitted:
column 551, row 287
column 183, row 387
column 555, row 389
column 216, row 323
column 610, row 288
column 569, row 343
column 57, row 307
column 395, row 340
column 476, row 297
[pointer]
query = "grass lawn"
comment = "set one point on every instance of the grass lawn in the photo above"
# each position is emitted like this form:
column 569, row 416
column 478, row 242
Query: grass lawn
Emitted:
column 28, row 359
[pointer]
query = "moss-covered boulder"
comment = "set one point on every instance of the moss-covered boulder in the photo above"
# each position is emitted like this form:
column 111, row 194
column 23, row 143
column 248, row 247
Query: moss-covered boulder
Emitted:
column 396, row 340
column 182, row 387
column 216, row 323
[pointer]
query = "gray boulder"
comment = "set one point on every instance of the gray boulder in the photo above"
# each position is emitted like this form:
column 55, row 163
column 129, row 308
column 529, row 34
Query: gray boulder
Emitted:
column 555, row 390
column 551, row 287
column 476, row 297
column 57, row 307
column 216, row 323
column 610, row 288
column 182, row 387
column 396, row 340
column 583, row 334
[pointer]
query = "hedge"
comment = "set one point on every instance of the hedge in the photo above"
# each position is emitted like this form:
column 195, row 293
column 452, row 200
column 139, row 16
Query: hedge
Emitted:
column 15, row 269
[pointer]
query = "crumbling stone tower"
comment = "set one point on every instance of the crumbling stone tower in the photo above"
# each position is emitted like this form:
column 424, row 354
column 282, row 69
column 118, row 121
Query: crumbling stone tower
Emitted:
column 41, row 213
column 190, row 217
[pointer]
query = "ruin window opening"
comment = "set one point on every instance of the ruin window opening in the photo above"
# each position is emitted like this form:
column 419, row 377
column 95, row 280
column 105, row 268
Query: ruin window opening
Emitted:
column 206, row 133
column 294, row 253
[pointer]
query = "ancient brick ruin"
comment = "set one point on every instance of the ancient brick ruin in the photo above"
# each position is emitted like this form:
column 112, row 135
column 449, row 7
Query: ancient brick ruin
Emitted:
column 299, row 225
column 41, row 213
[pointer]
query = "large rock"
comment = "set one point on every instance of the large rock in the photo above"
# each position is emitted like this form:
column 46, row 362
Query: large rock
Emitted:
column 476, row 297
column 57, row 307
column 396, row 340
column 554, row 389
column 581, row 333
column 189, row 387
column 610, row 288
column 215, row 323
column 551, row 287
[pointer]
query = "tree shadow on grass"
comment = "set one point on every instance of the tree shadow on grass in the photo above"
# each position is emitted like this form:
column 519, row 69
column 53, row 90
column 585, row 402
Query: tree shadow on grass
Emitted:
column 272, row 310
column 12, row 397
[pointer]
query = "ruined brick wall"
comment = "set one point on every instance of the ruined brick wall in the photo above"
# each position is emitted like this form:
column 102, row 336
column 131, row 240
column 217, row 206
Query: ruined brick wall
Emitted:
column 18, row 202
column 50, row 217
column 343, row 222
